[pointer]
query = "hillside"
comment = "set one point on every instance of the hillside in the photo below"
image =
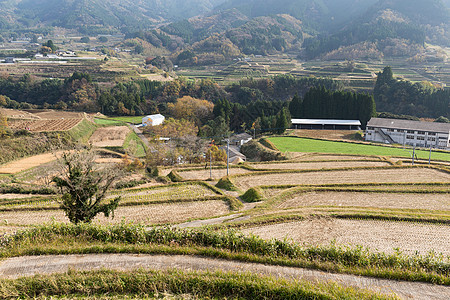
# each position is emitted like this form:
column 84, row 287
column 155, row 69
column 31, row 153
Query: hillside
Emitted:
column 388, row 28
column 101, row 15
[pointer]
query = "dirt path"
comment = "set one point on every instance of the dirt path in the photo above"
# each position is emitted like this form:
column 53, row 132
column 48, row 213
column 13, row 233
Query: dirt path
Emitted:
column 20, row 165
column 30, row 265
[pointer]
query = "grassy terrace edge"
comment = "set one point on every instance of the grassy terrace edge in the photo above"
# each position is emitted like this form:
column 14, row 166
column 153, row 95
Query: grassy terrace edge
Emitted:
column 149, row 283
column 57, row 238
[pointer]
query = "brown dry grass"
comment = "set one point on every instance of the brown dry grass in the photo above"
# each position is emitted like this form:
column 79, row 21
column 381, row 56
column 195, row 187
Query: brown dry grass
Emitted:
column 335, row 135
column 203, row 174
column 378, row 200
column 110, row 136
column 320, row 165
column 148, row 214
column 419, row 175
column 377, row 235
column 20, row 165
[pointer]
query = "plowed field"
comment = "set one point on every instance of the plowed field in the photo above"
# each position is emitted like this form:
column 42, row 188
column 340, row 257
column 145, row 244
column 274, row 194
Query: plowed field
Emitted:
column 44, row 125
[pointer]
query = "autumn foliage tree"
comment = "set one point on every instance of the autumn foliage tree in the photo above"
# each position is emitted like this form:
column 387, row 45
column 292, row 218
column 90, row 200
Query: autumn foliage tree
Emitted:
column 189, row 108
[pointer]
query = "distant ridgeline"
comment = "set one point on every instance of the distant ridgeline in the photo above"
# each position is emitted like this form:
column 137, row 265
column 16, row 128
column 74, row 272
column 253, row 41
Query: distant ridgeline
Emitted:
column 403, row 97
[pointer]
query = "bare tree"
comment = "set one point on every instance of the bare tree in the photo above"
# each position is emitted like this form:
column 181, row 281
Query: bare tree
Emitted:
column 84, row 185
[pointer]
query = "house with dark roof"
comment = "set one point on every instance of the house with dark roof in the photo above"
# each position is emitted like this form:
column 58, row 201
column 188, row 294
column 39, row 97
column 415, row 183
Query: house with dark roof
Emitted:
column 406, row 132
column 240, row 139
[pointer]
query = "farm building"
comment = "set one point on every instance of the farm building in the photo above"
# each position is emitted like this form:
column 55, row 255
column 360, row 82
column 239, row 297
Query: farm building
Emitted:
column 406, row 132
column 153, row 120
column 325, row 124
column 240, row 139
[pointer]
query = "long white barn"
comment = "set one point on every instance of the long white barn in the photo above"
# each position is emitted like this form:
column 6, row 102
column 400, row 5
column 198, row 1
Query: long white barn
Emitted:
column 325, row 124
column 406, row 132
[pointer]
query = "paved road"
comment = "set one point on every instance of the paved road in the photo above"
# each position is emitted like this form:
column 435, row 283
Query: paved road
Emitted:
column 30, row 265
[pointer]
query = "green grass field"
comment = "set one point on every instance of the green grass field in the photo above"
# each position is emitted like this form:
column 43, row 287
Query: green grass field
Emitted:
column 129, row 119
column 294, row 144
column 108, row 122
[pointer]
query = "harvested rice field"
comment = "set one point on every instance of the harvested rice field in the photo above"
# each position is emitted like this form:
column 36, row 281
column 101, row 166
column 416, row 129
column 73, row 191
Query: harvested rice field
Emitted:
column 146, row 214
column 383, row 236
column 376, row 200
column 397, row 175
column 203, row 174
column 320, row 165
column 191, row 191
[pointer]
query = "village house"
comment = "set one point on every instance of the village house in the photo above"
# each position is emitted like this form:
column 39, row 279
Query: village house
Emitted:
column 406, row 132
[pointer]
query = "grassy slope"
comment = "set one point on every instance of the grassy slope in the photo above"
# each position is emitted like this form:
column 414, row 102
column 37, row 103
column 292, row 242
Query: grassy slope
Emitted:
column 294, row 144
column 134, row 144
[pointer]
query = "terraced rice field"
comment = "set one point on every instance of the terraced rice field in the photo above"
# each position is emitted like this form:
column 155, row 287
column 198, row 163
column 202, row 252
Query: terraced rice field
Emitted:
column 383, row 236
column 374, row 200
column 319, row 165
column 147, row 214
column 397, row 175
column 191, row 191
column 203, row 174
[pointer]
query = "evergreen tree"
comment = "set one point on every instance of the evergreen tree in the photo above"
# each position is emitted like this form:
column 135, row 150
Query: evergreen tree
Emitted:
column 295, row 106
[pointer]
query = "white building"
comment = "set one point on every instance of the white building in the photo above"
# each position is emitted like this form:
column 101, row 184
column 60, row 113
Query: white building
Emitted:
column 153, row 120
column 325, row 124
column 406, row 132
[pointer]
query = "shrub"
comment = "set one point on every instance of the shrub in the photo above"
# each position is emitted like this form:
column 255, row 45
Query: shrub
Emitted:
column 174, row 176
column 252, row 195
column 226, row 184
column 254, row 151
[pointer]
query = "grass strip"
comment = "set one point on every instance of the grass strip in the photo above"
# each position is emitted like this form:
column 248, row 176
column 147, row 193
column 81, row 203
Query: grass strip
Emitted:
column 150, row 283
column 58, row 238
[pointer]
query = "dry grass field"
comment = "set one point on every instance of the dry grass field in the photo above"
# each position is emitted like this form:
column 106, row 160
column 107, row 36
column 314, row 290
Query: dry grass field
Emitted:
column 109, row 136
column 397, row 175
column 20, row 165
column 373, row 200
column 380, row 236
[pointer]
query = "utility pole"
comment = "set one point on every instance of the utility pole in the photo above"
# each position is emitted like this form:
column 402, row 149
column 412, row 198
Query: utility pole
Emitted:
column 413, row 154
column 210, row 166
column 429, row 157
column 228, row 156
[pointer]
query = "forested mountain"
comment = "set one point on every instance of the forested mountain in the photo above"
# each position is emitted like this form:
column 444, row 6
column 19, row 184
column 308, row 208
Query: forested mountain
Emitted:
column 389, row 27
column 86, row 13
